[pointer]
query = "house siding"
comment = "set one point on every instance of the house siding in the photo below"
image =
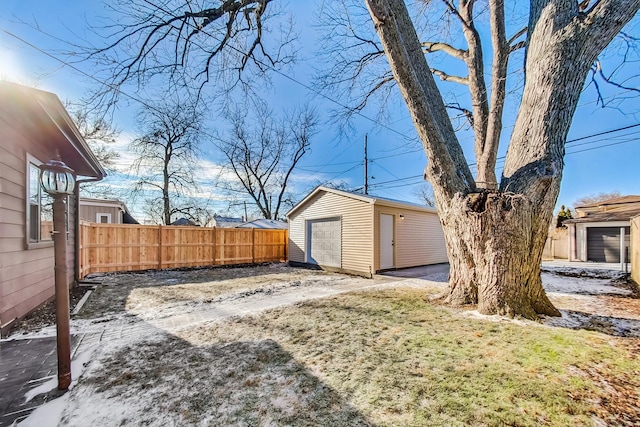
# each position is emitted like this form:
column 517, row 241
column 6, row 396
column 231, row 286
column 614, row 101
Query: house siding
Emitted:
column 89, row 212
column 357, row 229
column 26, row 275
column 418, row 237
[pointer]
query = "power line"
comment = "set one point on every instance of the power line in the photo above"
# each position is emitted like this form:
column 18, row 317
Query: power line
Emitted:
column 568, row 153
column 583, row 137
column 133, row 98
column 501, row 161
column 603, row 146
column 144, row 103
column 385, row 169
column 341, row 173
column 286, row 76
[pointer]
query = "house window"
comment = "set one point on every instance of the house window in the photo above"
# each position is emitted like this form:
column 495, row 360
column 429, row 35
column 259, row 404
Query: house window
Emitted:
column 40, row 209
column 103, row 218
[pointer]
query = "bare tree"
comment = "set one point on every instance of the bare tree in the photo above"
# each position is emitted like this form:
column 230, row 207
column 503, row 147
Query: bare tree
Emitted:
column 193, row 43
column 100, row 135
column 595, row 198
column 97, row 131
column 165, row 164
column 495, row 232
column 262, row 152
column 425, row 194
column 495, row 229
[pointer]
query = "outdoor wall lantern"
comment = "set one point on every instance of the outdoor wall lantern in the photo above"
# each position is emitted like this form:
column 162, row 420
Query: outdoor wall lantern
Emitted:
column 401, row 216
column 59, row 181
column 57, row 178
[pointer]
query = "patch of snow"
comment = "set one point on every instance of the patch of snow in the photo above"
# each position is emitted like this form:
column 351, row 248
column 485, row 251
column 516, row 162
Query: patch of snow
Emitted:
column 611, row 325
column 77, row 367
column 47, row 415
column 45, row 387
column 584, row 272
column 475, row 314
column 581, row 285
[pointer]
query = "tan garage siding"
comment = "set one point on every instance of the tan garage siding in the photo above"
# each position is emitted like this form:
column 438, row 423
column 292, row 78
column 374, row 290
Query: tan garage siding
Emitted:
column 418, row 238
column 357, row 229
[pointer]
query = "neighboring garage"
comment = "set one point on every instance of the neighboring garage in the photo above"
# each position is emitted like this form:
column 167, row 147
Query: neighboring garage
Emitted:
column 603, row 243
column 362, row 234
column 601, row 231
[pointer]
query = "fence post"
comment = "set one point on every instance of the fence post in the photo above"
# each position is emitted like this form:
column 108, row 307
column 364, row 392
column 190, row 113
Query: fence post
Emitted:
column 214, row 245
column 253, row 245
column 222, row 238
column 159, row 247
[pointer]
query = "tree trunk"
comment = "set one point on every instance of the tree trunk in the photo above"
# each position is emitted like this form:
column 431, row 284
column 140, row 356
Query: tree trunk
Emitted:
column 495, row 238
column 495, row 254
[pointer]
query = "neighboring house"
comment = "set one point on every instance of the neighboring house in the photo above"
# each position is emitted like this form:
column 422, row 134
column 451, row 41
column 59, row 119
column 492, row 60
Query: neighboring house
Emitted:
column 361, row 234
column 105, row 211
column 266, row 224
column 184, row 222
column 34, row 125
column 225, row 222
column 600, row 231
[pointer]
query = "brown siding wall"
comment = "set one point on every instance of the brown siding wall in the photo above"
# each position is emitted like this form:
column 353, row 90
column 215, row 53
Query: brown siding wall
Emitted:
column 357, row 229
column 418, row 238
column 89, row 212
column 26, row 275
column 634, row 250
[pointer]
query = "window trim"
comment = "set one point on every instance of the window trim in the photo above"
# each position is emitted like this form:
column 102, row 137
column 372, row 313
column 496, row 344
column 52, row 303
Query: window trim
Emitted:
column 31, row 160
column 101, row 215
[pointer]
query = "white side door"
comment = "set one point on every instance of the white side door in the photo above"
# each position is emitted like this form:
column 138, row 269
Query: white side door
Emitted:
column 386, row 241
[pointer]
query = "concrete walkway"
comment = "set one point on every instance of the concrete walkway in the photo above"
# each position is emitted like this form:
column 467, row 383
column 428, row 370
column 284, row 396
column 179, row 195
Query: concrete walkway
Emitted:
column 25, row 364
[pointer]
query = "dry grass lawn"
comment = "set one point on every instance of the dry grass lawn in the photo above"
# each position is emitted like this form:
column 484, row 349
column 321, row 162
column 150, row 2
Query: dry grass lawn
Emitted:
column 384, row 358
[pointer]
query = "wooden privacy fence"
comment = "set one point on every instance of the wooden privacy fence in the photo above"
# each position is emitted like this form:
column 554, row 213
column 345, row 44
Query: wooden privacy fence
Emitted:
column 123, row 247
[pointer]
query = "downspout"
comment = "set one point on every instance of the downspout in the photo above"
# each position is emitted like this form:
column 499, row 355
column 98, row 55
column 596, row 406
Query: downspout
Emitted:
column 76, row 243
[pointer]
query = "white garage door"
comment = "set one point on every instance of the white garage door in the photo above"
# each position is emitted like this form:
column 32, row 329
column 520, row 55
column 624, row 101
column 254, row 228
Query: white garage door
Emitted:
column 324, row 242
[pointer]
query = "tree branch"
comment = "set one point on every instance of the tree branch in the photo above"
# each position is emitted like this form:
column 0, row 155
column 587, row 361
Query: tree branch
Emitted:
column 448, row 78
column 166, row 40
column 486, row 157
column 606, row 18
column 430, row 47
column 517, row 35
column 447, row 167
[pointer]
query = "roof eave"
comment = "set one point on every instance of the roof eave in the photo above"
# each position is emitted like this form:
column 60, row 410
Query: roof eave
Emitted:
column 364, row 198
column 72, row 134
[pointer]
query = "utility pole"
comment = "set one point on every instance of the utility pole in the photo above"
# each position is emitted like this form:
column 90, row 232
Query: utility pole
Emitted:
column 366, row 167
column 246, row 217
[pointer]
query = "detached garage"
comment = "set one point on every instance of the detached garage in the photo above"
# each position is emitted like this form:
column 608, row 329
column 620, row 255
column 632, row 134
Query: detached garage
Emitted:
column 361, row 234
column 601, row 231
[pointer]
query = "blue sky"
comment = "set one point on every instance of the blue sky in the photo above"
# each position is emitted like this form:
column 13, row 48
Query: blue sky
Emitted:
column 396, row 157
